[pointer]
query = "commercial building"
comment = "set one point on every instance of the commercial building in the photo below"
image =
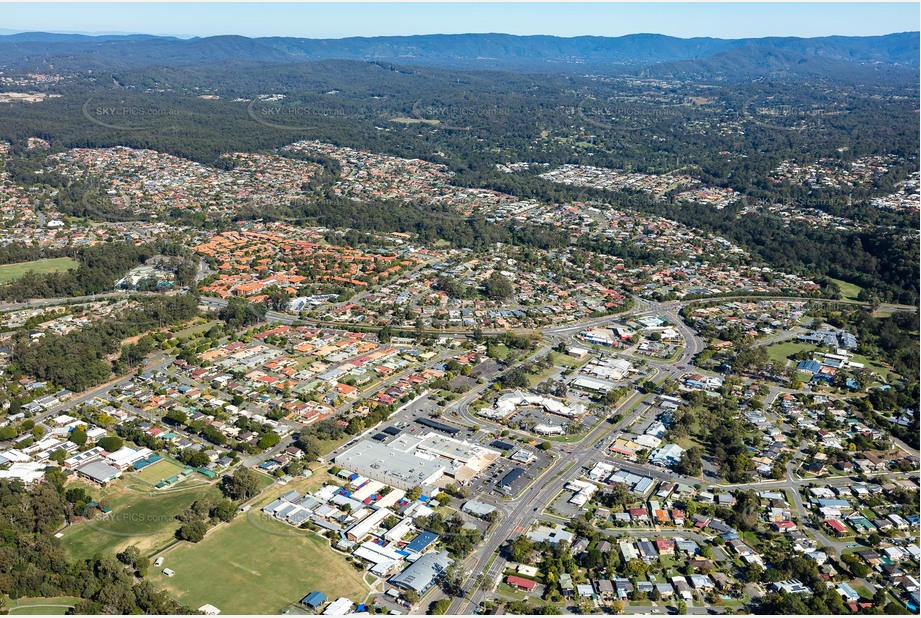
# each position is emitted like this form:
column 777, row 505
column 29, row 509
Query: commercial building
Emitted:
column 462, row 460
column 477, row 508
column 390, row 466
column 510, row 482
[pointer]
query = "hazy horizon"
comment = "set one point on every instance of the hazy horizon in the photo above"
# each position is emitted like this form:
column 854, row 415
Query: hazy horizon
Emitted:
column 344, row 20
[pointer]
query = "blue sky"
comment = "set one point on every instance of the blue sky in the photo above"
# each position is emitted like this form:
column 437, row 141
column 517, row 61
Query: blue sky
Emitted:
column 336, row 20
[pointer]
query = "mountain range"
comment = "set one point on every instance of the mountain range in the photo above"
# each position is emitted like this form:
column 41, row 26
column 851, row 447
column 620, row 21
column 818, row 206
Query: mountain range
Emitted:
column 648, row 55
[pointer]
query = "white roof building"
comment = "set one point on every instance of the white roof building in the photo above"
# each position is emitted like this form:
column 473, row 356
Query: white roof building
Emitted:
column 339, row 607
column 125, row 456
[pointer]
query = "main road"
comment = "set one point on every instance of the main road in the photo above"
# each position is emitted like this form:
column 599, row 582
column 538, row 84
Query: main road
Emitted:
column 534, row 499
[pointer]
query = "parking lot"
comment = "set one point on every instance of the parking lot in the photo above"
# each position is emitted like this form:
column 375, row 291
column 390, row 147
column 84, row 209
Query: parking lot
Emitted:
column 487, row 482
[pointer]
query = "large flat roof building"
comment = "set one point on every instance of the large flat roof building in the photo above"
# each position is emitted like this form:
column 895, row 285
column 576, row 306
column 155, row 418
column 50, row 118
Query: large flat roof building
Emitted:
column 463, row 460
column 389, row 465
column 99, row 472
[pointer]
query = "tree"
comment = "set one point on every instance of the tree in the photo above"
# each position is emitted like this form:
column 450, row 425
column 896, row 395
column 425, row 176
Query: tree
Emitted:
column 411, row 597
column 635, row 568
column 239, row 313
column 414, row 494
column 520, row 549
column 176, row 417
column 439, row 607
column 224, row 510
column 682, row 607
column 243, row 485
column 498, row 287
column 309, row 444
column 194, row 531
column 110, row 443
column 268, row 440
column 78, row 436
column 198, row 459
column 133, row 557
column 514, row 378
column 691, row 463
column 453, row 581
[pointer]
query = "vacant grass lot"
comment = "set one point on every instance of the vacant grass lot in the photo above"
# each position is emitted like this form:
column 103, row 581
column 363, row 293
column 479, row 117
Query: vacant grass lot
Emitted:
column 779, row 352
column 256, row 565
column 196, row 329
column 143, row 519
column 9, row 272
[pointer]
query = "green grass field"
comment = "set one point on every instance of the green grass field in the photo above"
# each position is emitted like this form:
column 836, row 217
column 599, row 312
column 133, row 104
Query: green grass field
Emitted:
column 36, row 606
column 195, row 329
column 778, row 352
column 256, row 566
column 143, row 519
column 501, row 351
column 567, row 361
column 163, row 469
column 849, row 291
column 10, row 272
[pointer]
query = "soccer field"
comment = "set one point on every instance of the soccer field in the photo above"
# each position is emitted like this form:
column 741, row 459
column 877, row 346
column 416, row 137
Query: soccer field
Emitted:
column 256, row 565
column 10, row 272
